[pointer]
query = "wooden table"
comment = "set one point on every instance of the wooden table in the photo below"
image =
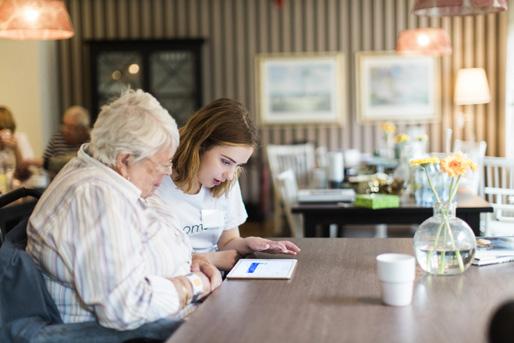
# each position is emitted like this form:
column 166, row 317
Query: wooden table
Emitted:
column 334, row 296
column 469, row 208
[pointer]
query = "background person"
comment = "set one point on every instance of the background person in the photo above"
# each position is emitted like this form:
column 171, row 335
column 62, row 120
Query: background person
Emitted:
column 64, row 144
column 203, row 189
column 107, row 252
column 16, row 154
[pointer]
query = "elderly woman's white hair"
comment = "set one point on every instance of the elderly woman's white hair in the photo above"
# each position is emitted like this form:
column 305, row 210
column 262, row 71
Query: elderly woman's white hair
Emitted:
column 136, row 124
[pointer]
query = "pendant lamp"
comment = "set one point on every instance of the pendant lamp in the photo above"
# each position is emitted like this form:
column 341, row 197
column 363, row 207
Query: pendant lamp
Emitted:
column 458, row 7
column 34, row 20
column 425, row 41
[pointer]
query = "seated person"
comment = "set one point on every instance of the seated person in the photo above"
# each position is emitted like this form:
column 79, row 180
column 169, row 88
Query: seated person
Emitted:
column 63, row 146
column 203, row 189
column 107, row 252
column 15, row 150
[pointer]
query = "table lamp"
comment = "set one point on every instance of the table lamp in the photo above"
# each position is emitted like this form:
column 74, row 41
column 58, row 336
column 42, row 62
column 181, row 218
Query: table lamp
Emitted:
column 471, row 88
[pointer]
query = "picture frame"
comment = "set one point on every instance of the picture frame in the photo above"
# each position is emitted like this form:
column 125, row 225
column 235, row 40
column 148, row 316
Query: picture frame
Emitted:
column 396, row 87
column 300, row 88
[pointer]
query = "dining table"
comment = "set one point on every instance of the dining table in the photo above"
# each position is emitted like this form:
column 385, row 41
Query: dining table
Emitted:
column 334, row 295
column 317, row 216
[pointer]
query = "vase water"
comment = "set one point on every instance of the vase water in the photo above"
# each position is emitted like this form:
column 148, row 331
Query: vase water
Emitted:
column 444, row 244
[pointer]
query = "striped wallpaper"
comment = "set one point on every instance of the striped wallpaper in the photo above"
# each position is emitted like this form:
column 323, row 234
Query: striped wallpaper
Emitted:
column 236, row 30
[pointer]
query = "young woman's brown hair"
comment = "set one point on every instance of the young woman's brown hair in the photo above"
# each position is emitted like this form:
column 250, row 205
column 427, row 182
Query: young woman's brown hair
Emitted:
column 7, row 119
column 222, row 122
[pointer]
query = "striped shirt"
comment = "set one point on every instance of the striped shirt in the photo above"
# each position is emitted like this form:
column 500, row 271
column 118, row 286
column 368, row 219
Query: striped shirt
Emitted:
column 58, row 147
column 105, row 252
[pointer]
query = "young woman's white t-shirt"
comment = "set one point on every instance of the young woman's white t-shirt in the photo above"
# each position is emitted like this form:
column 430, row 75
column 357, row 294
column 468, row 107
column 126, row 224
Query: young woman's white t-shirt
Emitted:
column 201, row 216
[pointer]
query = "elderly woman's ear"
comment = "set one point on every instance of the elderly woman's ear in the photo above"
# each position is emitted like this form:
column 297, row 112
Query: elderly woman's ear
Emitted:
column 122, row 163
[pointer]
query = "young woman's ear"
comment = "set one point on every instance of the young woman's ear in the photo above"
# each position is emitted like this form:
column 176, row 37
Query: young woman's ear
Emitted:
column 122, row 164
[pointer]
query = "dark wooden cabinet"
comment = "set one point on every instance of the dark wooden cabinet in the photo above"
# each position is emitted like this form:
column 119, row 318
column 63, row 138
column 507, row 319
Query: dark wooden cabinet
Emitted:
column 168, row 69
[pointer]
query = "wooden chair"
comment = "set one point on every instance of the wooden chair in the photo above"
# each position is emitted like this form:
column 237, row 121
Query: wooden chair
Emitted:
column 300, row 159
column 498, row 190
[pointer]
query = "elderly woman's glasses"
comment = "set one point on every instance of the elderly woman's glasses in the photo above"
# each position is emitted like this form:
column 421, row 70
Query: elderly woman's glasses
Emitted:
column 162, row 168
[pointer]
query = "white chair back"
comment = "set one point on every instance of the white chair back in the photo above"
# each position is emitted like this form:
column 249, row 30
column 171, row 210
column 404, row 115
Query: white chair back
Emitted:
column 476, row 152
column 288, row 189
column 498, row 190
column 300, row 159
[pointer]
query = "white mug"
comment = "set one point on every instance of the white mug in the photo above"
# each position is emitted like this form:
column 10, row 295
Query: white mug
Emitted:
column 396, row 273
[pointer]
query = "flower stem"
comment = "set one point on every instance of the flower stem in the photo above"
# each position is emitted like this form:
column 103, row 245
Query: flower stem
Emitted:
column 437, row 199
column 457, row 251
column 453, row 191
column 442, row 264
column 431, row 252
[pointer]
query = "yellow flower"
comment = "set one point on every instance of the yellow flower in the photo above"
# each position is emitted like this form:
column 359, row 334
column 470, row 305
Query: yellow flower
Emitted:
column 388, row 127
column 457, row 164
column 423, row 161
column 401, row 138
column 472, row 165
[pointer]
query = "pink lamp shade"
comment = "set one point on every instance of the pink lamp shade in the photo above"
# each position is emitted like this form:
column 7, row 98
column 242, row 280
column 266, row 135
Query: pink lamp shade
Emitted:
column 34, row 19
column 426, row 41
column 458, row 7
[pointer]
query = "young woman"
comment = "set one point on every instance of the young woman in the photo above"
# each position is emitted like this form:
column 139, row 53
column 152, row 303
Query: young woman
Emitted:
column 214, row 145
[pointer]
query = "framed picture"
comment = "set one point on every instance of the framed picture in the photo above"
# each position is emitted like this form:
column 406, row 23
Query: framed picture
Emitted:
column 300, row 88
column 397, row 87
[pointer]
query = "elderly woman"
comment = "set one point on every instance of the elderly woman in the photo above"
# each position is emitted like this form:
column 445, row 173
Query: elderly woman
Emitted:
column 106, row 251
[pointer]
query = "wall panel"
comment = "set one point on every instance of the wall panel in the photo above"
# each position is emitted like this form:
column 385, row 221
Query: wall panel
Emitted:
column 235, row 30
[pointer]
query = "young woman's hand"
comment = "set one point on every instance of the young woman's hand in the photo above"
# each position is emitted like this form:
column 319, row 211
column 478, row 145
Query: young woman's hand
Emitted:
column 269, row 246
column 224, row 259
column 201, row 263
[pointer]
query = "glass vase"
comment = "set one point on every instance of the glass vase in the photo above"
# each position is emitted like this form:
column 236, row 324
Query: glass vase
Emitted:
column 423, row 192
column 444, row 244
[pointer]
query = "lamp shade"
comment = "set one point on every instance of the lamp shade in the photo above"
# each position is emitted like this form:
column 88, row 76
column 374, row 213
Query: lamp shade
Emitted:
column 34, row 19
column 457, row 7
column 426, row 41
column 471, row 87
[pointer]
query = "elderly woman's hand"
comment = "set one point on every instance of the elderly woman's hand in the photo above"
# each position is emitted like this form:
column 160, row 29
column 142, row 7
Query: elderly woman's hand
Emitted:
column 269, row 246
column 200, row 263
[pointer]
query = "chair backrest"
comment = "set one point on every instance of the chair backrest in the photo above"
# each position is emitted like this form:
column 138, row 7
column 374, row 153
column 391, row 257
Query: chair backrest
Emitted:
column 11, row 214
column 497, row 172
column 27, row 306
column 502, row 199
column 476, row 152
column 498, row 186
column 288, row 189
column 299, row 158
